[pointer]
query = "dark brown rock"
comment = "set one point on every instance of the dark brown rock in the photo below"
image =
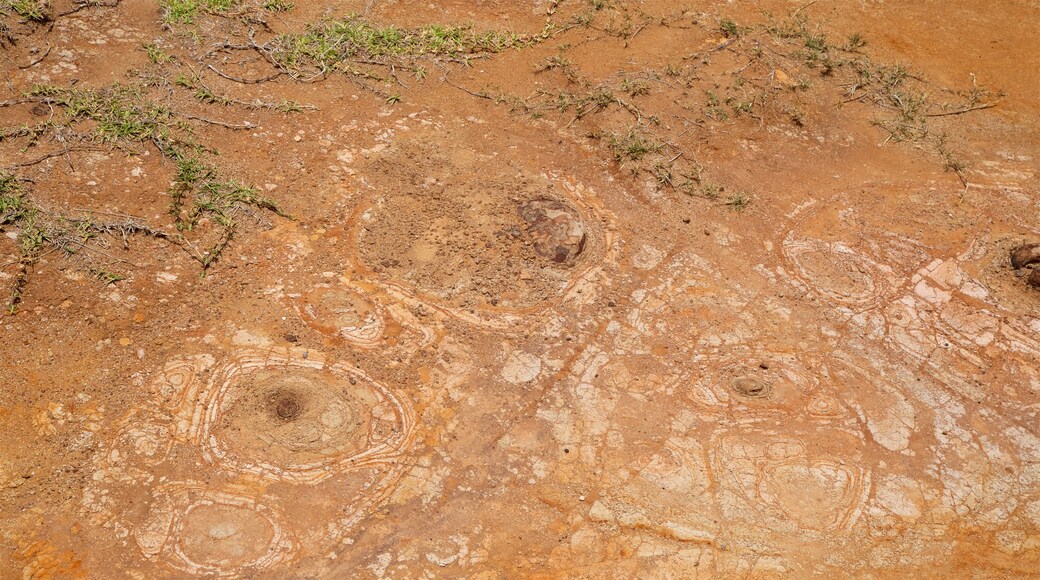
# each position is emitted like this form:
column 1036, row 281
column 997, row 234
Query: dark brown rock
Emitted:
column 1025, row 255
column 287, row 406
column 556, row 230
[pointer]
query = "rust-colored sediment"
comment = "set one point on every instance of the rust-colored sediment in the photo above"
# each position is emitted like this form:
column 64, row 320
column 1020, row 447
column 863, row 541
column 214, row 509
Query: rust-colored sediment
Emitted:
column 492, row 344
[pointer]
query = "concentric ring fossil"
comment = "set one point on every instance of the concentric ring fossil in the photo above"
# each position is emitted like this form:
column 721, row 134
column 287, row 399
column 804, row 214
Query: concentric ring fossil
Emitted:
column 811, row 479
column 202, row 531
column 184, row 473
column 147, row 436
column 179, row 380
column 482, row 247
column 836, row 272
column 295, row 419
column 751, row 387
column 341, row 311
column 849, row 256
column 745, row 384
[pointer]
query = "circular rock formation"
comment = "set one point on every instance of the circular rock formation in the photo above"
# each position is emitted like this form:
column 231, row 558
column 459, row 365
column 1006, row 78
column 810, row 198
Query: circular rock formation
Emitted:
column 555, row 229
column 1024, row 256
column 836, row 272
column 181, row 379
column 473, row 249
column 472, row 237
column 286, row 406
column 750, row 387
column 298, row 420
column 813, row 479
column 744, row 384
column 343, row 312
column 146, row 437
column 203, row 476
column 203, row 531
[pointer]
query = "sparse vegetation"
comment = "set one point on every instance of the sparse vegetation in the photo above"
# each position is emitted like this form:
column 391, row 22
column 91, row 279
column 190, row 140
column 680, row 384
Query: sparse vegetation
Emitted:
column 738, row 201
column 13, row 207
column 854, row 42
column 713, row 108
column 205, row 94
column 632, row 146
column 156, row 54
column 777, row 69
column 342, row 45
column 187, row 11
column 561, row 63
column 905, row 104
column 123, row 117
column 773, row 80
column 120, row 114
column 40, row 231
column 729, row 28
column 278, row 6
column 890, row 88
column 711, row 191
column 21, row 14
column 106, row 277
column 29, row 10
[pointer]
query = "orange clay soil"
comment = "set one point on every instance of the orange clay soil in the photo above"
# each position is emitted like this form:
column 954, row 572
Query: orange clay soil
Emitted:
column 589, row 289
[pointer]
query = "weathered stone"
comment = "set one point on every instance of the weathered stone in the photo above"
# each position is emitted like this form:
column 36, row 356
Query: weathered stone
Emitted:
column 556, row 230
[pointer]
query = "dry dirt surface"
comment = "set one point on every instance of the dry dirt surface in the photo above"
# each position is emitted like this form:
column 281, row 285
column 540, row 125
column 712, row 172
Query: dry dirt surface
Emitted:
column 519, row 288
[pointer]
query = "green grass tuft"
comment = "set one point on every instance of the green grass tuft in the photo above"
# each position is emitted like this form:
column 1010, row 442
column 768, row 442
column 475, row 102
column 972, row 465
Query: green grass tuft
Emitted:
column 123, row 116
column 335, row 44
column 30, row 10
column 187, row 11
column 632, row 146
